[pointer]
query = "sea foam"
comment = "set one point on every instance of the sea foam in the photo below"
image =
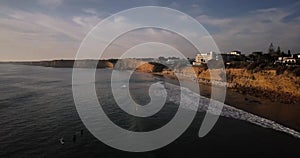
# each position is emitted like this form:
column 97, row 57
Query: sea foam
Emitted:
column 227, row 111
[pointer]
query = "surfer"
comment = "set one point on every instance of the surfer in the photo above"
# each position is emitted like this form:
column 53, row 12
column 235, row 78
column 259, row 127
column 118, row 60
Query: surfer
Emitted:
column 62, row 141
column 74, row 138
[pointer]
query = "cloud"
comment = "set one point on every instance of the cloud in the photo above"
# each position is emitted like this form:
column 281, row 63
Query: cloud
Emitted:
column 191, row 9
column 50, row 3
column 90, row 11
column 87, row 22
column 267, row 10
column 90, row 18
column 44, row 33
column 205, row 19
column 44, row 23
column 254, row 31
column 34, row 35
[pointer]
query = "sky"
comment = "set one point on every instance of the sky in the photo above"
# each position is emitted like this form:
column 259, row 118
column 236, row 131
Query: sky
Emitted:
column 54, row 29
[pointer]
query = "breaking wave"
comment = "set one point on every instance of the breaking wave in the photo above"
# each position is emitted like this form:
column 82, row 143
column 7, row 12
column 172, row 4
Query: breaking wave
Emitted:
column 227, row 111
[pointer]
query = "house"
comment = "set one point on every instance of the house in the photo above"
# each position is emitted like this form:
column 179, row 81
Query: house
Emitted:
column 203, row 58
column 230, row 57
column 235, row 52
column 296, row 56
column 289, row 61
column 286, row 60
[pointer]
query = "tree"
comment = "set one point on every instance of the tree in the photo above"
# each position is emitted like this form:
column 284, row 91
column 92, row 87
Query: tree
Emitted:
column 289, row 53
column 278, row 51
column 271, row 48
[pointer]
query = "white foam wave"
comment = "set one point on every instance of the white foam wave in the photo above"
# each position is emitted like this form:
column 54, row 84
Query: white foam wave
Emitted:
column 227, row 111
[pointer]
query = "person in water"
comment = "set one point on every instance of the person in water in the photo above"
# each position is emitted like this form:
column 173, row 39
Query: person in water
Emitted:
column 62, row 141
column 74, row 138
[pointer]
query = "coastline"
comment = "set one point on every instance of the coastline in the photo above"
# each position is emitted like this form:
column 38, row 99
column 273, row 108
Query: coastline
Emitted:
column 243, row 95
column 287, row 114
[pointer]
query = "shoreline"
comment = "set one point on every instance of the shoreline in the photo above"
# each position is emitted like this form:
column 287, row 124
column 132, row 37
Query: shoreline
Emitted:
column 265, row 106
column 287, row 114
column 230, row 135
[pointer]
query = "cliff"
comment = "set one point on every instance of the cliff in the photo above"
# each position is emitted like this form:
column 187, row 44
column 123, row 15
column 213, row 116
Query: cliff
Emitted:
column 283, row 88
column 139, row 65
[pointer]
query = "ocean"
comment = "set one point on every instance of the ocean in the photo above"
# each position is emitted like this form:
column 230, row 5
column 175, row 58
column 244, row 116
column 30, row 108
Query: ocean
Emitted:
column 37, row 110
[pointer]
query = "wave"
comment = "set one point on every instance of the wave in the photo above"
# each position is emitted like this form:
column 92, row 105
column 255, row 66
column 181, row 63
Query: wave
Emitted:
column 227, row 111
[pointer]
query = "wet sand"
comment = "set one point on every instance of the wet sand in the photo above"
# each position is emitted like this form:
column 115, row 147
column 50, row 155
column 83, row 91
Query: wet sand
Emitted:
column 285, row 114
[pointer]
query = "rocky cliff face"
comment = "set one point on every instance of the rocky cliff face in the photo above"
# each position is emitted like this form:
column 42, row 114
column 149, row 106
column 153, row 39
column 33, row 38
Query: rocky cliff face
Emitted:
column 283, row 88
column 266, row 83
column 92, row 63
column 138, row 65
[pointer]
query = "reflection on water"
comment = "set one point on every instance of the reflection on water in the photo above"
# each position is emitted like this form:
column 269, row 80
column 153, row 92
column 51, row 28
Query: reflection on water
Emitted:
column 37, row 110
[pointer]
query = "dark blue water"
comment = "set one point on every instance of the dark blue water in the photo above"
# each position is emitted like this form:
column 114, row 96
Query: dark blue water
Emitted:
column 37, row 109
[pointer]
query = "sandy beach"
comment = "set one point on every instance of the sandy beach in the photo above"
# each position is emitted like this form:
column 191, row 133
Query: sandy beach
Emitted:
column 285, row 114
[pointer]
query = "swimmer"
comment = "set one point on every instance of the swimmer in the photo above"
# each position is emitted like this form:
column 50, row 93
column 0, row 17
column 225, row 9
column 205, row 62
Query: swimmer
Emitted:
column 74, row 138
column 62, row 141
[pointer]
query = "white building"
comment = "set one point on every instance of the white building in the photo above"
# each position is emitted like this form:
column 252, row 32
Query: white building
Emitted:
column 203, row 58
column 289, row 60
column 286, row 60
column 235, row 52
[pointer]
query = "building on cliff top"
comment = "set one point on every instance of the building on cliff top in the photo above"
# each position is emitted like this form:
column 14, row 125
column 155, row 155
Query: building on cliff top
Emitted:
column 203, row 58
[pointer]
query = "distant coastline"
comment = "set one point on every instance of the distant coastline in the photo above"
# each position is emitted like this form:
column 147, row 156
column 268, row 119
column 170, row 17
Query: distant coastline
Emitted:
column 265, row 93
column 267, row 83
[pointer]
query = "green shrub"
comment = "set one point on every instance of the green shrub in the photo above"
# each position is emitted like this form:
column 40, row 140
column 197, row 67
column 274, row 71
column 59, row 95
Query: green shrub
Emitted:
column 296, row 71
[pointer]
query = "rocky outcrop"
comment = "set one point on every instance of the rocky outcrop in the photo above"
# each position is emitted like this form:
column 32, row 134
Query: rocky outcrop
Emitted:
column 139, row 65
column 283, row 88
column 92, row 63
column 265, row 83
